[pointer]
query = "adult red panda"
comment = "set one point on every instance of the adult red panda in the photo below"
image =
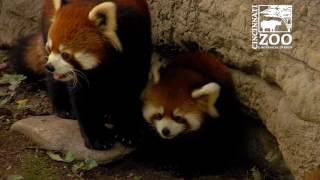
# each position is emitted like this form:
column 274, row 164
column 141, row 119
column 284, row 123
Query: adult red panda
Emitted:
column 98, row 58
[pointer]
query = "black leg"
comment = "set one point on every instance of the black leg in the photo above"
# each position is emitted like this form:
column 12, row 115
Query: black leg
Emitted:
column 127, row 133
column 60, row 98
column 128, row 121
column 90, row 114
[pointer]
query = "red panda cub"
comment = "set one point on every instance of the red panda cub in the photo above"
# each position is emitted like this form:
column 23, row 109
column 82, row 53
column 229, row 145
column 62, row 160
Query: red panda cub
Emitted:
column 192, row 110
column 97, row 64
column 182, row 95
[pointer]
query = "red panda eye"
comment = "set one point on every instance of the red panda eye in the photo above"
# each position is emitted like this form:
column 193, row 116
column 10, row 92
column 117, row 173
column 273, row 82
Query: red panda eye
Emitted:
column 66, row 56
column 157, row 116
column 178, row 119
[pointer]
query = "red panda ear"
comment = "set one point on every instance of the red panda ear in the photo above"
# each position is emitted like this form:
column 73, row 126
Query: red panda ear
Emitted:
column 157, row 62
column 59, row 3
column 104, row 15
column 211, row 92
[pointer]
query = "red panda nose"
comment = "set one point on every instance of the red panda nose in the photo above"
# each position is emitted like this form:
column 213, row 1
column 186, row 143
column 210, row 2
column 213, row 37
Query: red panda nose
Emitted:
column 49, row 67
column 165, row 131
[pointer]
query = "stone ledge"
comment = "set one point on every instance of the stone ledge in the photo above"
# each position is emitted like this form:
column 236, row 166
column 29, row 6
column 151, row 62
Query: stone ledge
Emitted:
column 299, row 140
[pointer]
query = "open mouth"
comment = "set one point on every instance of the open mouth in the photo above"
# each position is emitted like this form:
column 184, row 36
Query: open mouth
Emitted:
column 63, row 76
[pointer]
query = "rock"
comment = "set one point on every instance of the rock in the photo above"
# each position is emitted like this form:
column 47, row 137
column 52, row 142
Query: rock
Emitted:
column 281, row 86
column 18, row 18
column 53, row 133
column 298, row 139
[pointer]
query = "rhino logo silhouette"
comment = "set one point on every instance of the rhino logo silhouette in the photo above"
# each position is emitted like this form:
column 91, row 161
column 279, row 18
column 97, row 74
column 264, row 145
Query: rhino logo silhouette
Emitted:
column 270, row 24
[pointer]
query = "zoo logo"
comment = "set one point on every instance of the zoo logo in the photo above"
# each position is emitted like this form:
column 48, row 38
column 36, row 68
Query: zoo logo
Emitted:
column 271, row 26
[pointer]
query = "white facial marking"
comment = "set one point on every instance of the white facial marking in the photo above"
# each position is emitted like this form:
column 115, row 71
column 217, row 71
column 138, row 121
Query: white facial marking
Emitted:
column 193, row 119
column 86, row 60
column 62, row 48
column 57, row 4
column 178, row 112
column 212, row 90
column 174, row 128
column 49, row 43
column 149, row 110
column 60, row 66
column 157, row 63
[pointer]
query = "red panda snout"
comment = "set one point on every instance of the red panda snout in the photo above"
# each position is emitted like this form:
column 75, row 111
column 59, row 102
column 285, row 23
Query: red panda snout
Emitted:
column 172, row 124
column 60, row 69
column 168, row 129
column 64, row 64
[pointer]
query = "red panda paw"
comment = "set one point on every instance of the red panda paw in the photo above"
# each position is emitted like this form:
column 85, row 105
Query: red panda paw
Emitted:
column 100, row 143
column 65, row 115
column 126, row 139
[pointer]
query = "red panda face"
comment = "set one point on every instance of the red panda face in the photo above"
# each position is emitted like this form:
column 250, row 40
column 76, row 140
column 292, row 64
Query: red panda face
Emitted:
column 171, row 123
column 79, row 37
column 175, row 105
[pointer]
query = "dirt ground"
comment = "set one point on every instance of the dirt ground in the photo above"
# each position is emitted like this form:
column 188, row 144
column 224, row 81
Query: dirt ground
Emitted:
column 20, row 158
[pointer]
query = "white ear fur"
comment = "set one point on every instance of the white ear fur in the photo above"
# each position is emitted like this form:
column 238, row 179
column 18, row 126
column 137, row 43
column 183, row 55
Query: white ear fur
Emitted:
column 108, row 10
column 156, row 64
column 57, row 4
column 212, row 90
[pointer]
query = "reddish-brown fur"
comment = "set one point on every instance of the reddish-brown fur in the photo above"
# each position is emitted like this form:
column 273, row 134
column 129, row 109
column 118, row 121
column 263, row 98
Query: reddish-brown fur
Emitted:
column 122, row 49
column 186, row 73
column 73, row 29
column 208, row 65
column 315, row 175
column 113, row 60
column 77, row 10
column 174, row 90
column 34, row 55
column 47, row 13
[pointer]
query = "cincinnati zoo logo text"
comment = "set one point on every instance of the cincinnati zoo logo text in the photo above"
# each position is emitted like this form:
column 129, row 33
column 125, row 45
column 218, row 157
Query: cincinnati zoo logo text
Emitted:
column 271, row 26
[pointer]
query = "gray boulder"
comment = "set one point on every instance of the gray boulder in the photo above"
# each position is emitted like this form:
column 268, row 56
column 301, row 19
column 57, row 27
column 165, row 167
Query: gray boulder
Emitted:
column 53, row 133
